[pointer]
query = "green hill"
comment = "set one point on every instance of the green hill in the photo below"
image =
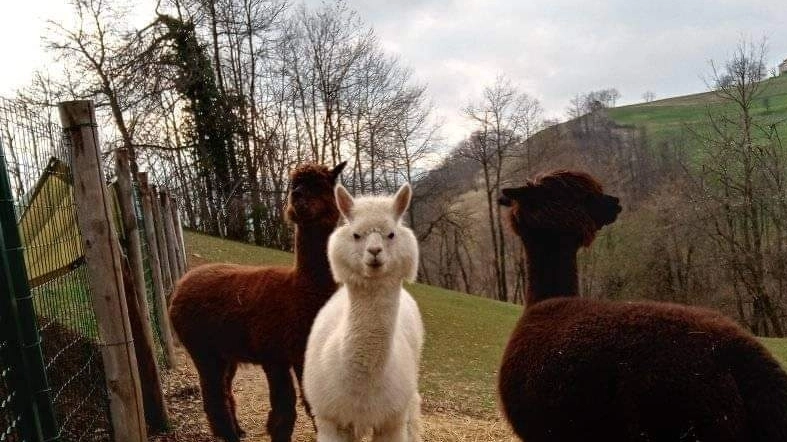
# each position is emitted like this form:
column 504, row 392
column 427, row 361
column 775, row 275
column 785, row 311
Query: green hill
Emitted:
column 663, row 117
column 465, row 334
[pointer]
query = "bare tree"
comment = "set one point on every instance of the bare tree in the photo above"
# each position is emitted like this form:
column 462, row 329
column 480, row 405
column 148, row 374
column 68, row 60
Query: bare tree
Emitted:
column 102, row 63
column 741, row 186
column 501, row 117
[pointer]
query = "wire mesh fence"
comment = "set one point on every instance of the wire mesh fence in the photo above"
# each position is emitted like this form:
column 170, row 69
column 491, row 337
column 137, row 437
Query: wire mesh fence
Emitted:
column 11, row 402
column 58, row 325
column 38, row 173
column 9, row 417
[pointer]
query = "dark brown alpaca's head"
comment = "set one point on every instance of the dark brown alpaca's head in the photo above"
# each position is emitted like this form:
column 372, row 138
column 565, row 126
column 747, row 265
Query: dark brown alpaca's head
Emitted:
column 564, row 203
column 311, row 200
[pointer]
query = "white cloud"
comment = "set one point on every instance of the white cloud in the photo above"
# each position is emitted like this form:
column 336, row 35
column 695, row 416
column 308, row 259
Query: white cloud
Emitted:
column 556, row 49
column 24, row 25
column 552, row 50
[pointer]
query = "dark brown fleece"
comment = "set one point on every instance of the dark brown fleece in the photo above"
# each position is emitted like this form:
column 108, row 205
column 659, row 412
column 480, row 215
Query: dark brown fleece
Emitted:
column 584, row 370
column 227, row 314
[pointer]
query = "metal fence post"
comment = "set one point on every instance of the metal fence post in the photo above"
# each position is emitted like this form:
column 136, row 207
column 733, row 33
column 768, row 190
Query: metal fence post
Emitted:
column 16, row 397
column 23, row 312
column 102, row 253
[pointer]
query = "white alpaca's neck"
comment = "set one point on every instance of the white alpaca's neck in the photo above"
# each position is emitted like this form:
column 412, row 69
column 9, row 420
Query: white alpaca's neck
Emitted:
column 371, row 324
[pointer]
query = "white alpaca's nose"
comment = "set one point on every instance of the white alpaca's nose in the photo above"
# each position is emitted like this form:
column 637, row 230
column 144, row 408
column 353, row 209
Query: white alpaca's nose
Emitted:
column 374, row 250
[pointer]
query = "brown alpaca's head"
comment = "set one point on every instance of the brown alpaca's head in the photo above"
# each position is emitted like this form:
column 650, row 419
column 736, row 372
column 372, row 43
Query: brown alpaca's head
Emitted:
column 311, row 199
column 565, row 203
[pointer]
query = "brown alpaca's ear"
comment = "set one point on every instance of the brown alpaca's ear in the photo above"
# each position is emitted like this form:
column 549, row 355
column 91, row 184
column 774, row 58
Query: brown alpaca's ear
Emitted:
column 402, row 200
column 344, row 201
column 605, row 209
column 338, row 170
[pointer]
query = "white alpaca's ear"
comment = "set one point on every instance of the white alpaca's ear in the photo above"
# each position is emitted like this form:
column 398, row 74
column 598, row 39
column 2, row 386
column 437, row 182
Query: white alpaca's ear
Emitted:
column 402, row 200
column 344, row 201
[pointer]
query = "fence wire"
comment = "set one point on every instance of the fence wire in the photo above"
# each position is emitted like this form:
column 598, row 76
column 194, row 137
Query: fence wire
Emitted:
column 10, row 417
column 38, row 165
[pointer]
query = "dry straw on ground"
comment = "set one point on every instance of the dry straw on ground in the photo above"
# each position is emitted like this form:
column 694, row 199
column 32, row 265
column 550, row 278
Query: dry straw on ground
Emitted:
column 181, row 386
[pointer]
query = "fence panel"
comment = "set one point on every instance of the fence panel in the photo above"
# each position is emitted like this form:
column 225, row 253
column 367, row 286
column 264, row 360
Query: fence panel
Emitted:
column 38, row 165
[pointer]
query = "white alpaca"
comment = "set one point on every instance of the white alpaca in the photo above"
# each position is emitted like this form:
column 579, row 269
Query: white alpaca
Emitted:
column 364, row 350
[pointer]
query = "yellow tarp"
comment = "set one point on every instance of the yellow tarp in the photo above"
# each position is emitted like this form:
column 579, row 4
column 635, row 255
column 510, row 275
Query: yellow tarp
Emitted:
column 48, row 226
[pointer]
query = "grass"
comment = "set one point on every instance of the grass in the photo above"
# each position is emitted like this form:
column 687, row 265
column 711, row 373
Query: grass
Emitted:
column 465, row 335
column 777, row 346
column 66, row 300
column 665, row 117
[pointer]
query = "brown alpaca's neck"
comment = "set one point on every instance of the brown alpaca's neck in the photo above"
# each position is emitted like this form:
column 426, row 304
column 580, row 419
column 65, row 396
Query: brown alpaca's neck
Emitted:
column 311, row 254
column 552, row 267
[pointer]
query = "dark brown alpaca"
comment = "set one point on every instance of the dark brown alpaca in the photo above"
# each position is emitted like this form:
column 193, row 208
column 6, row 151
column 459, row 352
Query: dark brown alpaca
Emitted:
column 228, row 314
column 583, row 370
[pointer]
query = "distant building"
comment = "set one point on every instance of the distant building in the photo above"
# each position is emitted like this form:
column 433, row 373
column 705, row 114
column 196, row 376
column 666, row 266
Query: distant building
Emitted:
column 783, row 67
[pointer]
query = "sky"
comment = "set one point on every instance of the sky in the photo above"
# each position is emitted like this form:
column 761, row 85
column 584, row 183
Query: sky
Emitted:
column 550, row 50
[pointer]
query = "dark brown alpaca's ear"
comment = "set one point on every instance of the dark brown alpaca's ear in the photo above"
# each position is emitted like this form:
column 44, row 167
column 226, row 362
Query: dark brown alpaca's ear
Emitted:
column 605, row 209
column 338, row 170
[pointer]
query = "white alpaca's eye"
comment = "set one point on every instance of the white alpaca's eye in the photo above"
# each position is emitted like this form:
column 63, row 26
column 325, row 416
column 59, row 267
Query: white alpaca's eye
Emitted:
column 391, row 235
column 356, row 236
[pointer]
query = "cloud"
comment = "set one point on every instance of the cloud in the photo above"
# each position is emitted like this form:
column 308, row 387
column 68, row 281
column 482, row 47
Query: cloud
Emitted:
column 553, row 50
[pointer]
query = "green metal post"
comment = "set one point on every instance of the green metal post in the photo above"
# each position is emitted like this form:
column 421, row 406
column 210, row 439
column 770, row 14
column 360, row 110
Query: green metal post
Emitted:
column 19, row 396
column 30, row 339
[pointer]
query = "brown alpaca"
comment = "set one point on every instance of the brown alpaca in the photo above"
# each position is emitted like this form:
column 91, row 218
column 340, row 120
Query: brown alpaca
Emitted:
column 227, row 314
column 583, row 370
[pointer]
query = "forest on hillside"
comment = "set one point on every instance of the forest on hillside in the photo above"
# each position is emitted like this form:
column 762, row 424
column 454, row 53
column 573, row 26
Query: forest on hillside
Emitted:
column 704, row 201
column 219, row 99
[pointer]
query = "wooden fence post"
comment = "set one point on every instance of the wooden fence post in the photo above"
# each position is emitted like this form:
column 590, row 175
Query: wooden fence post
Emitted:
column 169, row 230
column 102, row 254
column 161, row 237
column 155, row 268
column 179, row 234
column 153, row 395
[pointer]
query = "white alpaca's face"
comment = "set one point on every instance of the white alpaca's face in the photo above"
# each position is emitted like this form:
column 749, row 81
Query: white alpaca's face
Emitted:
column 373, row 243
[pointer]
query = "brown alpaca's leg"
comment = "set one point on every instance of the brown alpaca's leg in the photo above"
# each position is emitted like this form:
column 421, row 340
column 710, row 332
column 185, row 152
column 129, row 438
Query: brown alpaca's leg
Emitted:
column 229, row 375
column 298, row 369
column 281, row 418
column 212, row 372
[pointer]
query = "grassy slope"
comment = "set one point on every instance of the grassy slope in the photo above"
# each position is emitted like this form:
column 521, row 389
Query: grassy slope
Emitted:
column 664, row 116
column 465, row 334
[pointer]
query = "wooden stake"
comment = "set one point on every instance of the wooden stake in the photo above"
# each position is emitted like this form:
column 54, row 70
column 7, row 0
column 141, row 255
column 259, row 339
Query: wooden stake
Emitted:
column 161, row 237
column 179, row 235
column 102, row 254
column 155, row 268
column 136, row 291
column 169, row 231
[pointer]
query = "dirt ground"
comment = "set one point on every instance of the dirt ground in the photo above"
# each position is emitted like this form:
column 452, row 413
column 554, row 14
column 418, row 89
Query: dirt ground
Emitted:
column 181, row 386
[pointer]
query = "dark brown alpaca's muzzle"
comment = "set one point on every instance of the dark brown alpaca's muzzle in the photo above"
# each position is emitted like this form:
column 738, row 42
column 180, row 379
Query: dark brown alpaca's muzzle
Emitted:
column 609, row 210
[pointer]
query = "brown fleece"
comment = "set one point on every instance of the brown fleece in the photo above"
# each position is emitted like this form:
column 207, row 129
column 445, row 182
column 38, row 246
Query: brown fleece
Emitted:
column 584, row 370
column 227, row 314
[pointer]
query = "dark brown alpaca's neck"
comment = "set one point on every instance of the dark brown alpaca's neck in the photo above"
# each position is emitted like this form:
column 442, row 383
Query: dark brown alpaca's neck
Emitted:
column 311, row 254
column 552, row 267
